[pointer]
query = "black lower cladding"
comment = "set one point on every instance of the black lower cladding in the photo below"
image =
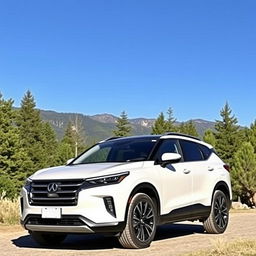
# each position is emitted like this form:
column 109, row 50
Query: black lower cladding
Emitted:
column 64, row 221
column 192, row 212
column 72, row 220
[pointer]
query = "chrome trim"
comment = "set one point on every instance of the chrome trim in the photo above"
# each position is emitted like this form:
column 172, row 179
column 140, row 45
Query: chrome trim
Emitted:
column 63, row 229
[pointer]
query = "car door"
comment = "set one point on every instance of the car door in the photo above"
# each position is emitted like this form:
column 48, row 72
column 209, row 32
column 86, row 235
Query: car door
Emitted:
column 176, row 181
column 204, row 178
column 198, row 168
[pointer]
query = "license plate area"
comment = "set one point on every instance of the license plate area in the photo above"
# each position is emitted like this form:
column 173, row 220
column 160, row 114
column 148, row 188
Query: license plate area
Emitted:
column 51, row 213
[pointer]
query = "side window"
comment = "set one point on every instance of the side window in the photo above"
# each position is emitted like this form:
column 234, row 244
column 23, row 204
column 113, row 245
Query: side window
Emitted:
column 166, row 146
column 205, row 151
column 191, row 151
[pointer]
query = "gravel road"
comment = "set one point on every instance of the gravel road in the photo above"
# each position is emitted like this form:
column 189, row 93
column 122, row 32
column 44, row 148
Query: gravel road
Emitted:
column 173, row 239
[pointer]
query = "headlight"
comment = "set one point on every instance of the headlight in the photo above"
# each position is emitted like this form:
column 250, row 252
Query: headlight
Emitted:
column 27, row 184
column 108, row 179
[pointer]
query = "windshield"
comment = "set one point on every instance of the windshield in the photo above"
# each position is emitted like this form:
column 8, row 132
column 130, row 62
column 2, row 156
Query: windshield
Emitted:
column 121, row 150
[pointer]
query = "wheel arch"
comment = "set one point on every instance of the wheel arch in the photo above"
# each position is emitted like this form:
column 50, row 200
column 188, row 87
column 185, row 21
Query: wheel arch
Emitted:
column 223, row 186
column 148, row 189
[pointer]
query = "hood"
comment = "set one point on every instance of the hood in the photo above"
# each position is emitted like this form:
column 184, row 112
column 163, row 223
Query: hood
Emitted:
column 83, row 171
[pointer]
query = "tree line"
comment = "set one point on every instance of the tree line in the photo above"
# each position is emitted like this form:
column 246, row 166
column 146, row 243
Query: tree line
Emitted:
column 235, row 145
column 27, row 144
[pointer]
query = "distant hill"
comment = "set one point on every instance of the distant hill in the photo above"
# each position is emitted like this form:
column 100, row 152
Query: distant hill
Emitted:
column 98, row 127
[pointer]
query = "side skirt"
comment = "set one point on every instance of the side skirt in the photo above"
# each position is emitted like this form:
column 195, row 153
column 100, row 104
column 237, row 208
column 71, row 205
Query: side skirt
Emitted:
column 192, row 212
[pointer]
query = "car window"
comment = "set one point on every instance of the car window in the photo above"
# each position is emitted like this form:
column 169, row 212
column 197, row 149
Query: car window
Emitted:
column 120, row 150
column 166, row 146
column 205, row 151
column 100, row 155
column 191, row 151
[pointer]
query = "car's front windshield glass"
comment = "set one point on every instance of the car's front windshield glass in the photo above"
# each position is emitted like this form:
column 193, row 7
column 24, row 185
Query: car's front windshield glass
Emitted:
column 119, row 150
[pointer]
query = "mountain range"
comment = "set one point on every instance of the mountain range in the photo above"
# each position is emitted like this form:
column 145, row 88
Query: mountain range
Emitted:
column 100, row 126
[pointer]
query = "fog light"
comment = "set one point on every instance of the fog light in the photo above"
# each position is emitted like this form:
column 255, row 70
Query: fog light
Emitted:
column 109, row 204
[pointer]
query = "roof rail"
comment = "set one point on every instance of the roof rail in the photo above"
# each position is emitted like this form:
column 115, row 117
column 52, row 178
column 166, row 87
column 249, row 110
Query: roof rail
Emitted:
column 182, row 134
column 110, row 138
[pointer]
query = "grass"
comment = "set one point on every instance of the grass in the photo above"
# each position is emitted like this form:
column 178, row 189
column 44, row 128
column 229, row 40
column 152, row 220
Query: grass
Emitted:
column 242, row 210
column 222, row 248
column 9, row 211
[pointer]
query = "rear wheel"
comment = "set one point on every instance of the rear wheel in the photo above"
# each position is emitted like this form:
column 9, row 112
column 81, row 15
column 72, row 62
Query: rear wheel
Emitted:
column 140, row 227
column 217, row 221
column 48, row 239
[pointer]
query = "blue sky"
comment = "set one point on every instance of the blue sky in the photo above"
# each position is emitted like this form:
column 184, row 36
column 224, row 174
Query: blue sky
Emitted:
column 140, row 56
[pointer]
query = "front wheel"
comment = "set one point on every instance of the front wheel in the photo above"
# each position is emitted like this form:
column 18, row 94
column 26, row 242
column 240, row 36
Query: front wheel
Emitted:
column 48, row 239
column 217, row 221
column 140, row 226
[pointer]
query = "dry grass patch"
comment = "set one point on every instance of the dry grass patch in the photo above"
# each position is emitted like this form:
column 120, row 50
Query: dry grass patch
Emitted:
column 223, row 248
column 9, row 211
column 242, row 210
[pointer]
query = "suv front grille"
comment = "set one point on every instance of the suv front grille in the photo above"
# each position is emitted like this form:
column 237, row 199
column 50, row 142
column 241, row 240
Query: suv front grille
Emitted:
column 62, row 193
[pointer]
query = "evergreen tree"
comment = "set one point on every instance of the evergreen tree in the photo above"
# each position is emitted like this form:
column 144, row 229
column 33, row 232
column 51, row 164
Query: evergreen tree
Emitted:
column 160, row 125
column 14, row 162
column 188, row 128
column 69, row 136
column 227, row 134
column 209, row 137
column 170, row 123
column 250, row 135
column 244, row 172
column 64, row 153
column 123, row 127
column 73, row 137
column 50, row 144
column 37, row 138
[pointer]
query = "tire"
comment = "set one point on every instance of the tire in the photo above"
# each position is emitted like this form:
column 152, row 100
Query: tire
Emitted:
column 217, row 221
column 140, row 226
column 48, row 239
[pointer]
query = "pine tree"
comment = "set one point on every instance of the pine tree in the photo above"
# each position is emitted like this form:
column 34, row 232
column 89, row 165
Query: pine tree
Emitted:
column 50, row 144
column 244, row 172
column 188, row 128
column 170, row 123
column 209, row 137
column 123, row 127
column 74, row 137
column 160, row 126
column 37, row 138
column 14, row 161
column 250, row 135
column 227, row 135
column 64, row 153
column 69, row 136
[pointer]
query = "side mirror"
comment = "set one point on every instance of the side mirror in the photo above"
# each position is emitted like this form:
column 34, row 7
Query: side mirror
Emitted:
column 69, row 161
column 168, row 158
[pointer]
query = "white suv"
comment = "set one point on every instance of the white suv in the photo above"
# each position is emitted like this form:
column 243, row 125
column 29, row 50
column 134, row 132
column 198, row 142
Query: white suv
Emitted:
column 126, row 187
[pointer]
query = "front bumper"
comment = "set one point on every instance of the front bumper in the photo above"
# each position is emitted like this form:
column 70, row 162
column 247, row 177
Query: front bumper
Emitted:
column 90, row 215
column 69, row 224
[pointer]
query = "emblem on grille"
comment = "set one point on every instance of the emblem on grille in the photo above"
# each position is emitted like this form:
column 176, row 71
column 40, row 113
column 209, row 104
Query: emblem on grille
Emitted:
column 52, row 187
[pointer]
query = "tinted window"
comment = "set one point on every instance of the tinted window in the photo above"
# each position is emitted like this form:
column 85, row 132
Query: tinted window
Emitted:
column 205, row 151
column 166, row 146
column 119, row 150
column 191, row 151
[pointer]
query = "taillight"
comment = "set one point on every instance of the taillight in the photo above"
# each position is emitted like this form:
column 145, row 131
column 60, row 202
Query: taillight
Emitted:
column 227, row 167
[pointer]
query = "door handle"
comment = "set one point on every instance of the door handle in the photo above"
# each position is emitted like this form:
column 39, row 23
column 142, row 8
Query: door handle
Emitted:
column 186, row 171
column 210, row 169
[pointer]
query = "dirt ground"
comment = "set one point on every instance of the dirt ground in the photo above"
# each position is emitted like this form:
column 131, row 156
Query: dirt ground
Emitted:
column 173, row 239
